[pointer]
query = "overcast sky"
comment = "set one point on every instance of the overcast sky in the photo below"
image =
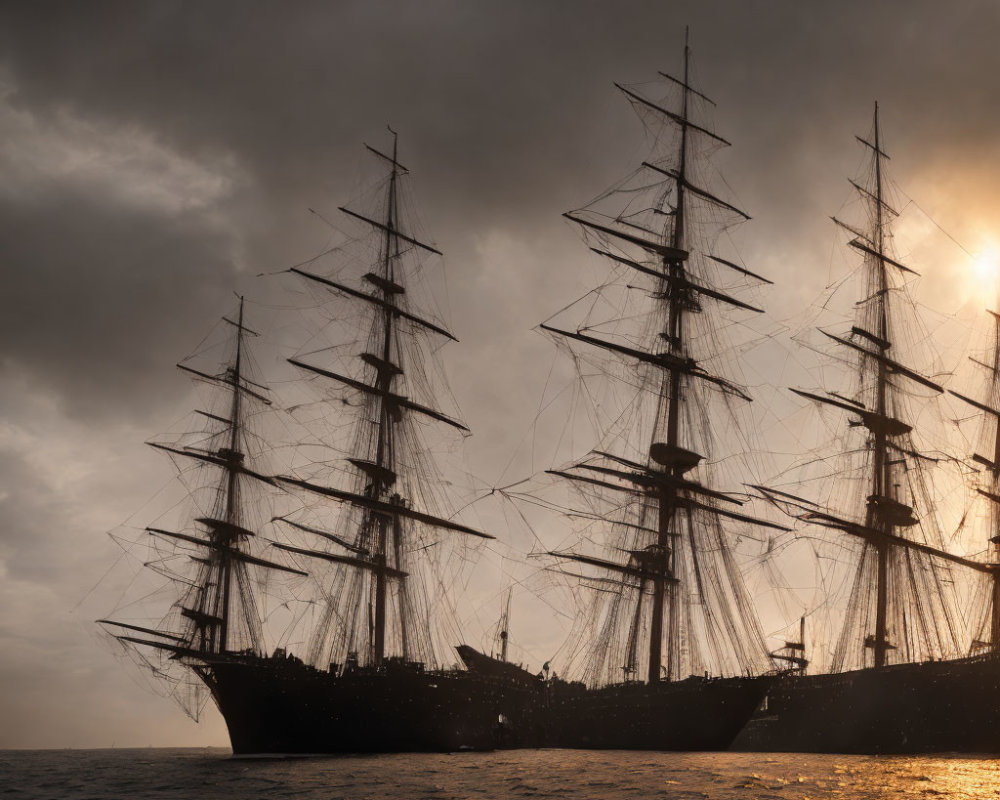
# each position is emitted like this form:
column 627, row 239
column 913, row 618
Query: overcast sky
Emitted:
column 156, row 156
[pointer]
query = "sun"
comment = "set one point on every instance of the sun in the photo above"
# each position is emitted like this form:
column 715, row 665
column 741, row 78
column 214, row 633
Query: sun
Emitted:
column 986, row 267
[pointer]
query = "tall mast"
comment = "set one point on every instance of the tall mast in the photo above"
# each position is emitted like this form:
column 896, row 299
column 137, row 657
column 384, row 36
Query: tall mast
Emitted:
column 384, row 456
column 674, row 267
column 881, row 477
column 931, row 624
column 378, row 547
column 232, row 484
column 650, row 236
column 208, row 609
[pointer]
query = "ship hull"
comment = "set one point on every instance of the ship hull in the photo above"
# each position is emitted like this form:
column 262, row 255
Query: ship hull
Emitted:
column 931, row 707
column 693, row 714
column 280, row 705
column 523, row 717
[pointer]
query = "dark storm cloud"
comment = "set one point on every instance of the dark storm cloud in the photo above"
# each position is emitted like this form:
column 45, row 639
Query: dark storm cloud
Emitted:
column 502, row 105
column 94, row 294
column 155, row 156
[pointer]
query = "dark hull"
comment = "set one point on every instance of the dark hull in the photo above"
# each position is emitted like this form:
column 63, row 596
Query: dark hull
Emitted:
column 693, row 714
column 280, row 705
column 523, row 699
column 932, row 707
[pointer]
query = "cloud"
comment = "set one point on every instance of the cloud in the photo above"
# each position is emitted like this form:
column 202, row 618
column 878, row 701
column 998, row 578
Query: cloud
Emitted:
column 110, row 239
column 43, row 153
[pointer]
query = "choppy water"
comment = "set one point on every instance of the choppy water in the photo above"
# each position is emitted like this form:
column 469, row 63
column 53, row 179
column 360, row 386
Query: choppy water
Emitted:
column 211, row 774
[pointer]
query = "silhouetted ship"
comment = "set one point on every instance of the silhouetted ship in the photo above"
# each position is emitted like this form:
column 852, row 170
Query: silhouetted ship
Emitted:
column 372, row 679
column 898, row 682
column 669, row 645
column 523, row 718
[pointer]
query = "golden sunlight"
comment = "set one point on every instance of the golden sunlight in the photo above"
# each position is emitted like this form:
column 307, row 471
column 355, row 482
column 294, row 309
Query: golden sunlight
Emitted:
column 986, row 267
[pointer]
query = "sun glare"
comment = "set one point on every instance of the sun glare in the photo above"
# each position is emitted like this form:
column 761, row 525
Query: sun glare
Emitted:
column 986, row 267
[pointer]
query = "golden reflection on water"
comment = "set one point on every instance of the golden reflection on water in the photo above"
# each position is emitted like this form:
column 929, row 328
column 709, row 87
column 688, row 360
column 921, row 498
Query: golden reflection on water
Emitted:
column 874, row 777
column 510, row 775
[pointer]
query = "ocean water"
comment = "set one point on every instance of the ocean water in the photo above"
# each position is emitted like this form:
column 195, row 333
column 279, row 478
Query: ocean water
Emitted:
column 588, row 775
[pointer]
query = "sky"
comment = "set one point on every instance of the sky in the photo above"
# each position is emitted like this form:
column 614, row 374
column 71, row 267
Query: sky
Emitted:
column 156, row 157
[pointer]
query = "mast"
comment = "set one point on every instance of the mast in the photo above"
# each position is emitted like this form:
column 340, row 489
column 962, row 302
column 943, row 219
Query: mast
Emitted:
column 891, row 458
column 881, row 477
column 674, row 335
column 385, row 446
column 220, row 597
column 232, row 482
column 378, row 549
column 662, row 495
column 227, row 533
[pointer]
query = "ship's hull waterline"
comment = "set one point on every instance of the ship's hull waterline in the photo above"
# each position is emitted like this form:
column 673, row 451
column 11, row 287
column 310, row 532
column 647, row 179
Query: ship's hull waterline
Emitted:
column 279, row 705
column 282, row 706
column 695, row 714
column 930, row 707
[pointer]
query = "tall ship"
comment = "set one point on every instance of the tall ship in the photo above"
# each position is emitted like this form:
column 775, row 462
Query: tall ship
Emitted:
column 359, row 528
column 904, row 676
column 667, row 649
